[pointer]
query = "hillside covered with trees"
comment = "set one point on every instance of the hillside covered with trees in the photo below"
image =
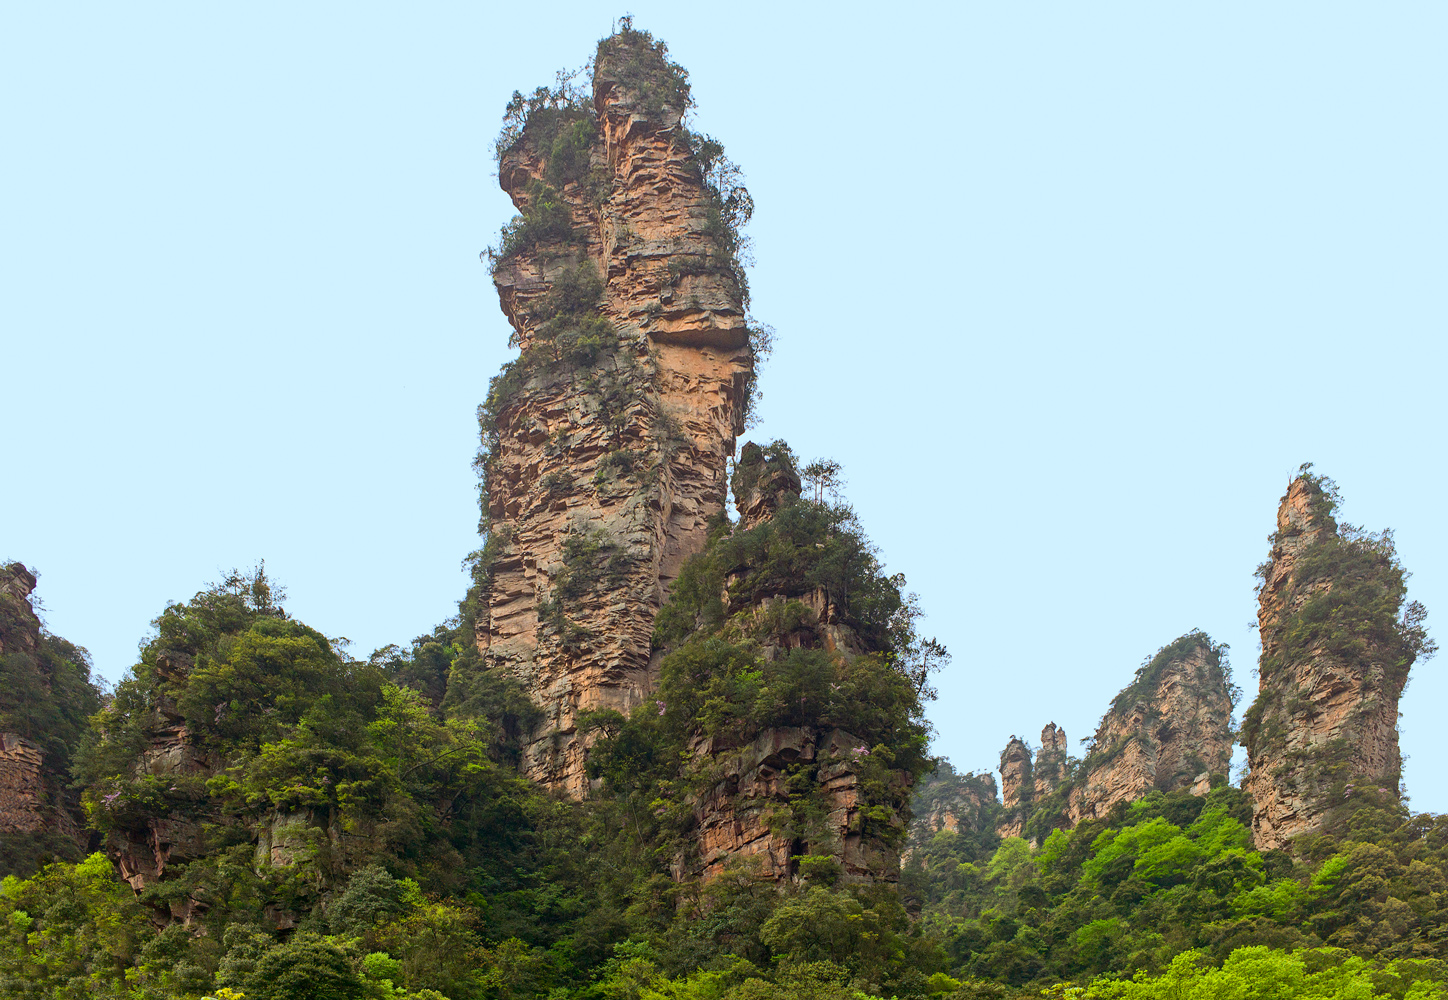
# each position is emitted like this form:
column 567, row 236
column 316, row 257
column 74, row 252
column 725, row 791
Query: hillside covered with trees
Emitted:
column 672, row 743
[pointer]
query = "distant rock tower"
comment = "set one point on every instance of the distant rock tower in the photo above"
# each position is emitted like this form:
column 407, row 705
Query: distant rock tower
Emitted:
column 1323, row 732
column 1017, row 788
column 1050, row 763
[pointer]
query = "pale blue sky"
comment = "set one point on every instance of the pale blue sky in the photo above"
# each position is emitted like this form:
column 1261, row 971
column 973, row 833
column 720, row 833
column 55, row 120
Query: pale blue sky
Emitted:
column 1069, row 289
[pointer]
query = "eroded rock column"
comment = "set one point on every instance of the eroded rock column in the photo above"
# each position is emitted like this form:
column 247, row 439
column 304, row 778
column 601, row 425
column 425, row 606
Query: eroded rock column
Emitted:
column 1335, row 657
column 610, row 436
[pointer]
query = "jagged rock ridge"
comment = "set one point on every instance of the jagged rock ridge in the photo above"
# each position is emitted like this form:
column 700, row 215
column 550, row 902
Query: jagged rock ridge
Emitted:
column 1170, row 729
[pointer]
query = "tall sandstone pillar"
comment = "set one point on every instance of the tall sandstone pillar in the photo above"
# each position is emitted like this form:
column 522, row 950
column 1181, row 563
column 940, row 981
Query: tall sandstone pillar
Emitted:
column 1335, row 658
column 1017, row 787
column 607, row 441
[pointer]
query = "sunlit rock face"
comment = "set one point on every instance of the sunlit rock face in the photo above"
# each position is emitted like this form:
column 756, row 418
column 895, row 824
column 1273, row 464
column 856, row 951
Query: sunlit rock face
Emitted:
column 1171, row 727
column 601, row 479
column 1050, row 763
column 36, row 803
column 1017, row 788
column 1335, row 659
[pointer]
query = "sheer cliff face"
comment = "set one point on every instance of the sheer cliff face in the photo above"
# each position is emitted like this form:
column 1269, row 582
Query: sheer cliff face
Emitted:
column 1334, row 662
column 1017, row 788
column 39, row 814
column 1050, row 763
column 1170, row 727
column 19, row 625
column 602, row 477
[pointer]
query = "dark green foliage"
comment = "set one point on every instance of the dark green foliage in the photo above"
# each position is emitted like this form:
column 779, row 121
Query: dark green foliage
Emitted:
column 1148, row 675
column 545, row 117
column 46, row 698
column 47, row 695
column 590, row 561
column 568, row 320
column 1342, row 606
column 640, row 64
column 805, row 547
column 306, row 966
column 1174, row 872
column 545, row 219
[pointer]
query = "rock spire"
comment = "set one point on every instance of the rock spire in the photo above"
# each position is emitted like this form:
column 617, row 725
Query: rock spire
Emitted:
column 1335, row 657
column 606, row 442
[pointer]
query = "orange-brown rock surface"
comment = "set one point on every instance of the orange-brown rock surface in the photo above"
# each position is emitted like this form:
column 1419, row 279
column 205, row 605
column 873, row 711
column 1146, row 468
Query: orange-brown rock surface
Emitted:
column 23, row 795
column 1017, row 787
column 1172, row 724
column 951, row 802
column 1049, row 767
column 601, row 475
column 738, row 819
column 1335, row 658
column 39, row 813
column 19, row 624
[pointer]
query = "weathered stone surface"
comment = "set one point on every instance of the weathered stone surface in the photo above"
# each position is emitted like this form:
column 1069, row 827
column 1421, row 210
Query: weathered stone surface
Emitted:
column 1049, row 766
column 666, row 402
column 1325, row 721
column 23, row 794
column 143, row 853
column 1172, row 724
column 19, row 624
column 738, row 818
column 35, row 801
column 1017, row 787
column 760, row 484
column 951, row 802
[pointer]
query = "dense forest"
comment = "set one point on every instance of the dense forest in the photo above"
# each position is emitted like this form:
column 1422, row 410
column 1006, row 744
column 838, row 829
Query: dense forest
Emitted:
column 700, row 767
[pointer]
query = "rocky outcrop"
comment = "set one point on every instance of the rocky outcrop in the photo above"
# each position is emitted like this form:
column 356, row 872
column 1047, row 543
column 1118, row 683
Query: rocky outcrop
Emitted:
column 19, row 624
column 1049, row 767
column 1017, row 787
column 45, row 699
column 951, row 802
column 1335, row 658
column 143, row 851
column 1169, row 729
column 738, row 820
column 761, row 482
column 606, row 443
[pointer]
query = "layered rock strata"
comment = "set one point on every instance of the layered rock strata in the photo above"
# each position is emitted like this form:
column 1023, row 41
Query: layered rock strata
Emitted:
column 1017, row 788
column 738, row 819
column 39, row 814
column 142, row 851
column 1049, row 767
column 24, row 799
column 1170, row 729
column 607, row 442
column 1335, row 658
